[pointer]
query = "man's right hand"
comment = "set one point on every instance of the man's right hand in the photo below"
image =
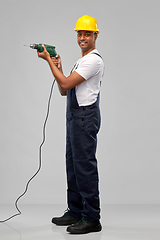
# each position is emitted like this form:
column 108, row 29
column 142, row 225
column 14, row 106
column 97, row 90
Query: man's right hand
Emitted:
column 57, row 60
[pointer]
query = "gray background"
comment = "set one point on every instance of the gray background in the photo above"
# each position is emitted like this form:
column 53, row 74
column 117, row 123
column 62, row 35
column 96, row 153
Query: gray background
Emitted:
column 128, row 148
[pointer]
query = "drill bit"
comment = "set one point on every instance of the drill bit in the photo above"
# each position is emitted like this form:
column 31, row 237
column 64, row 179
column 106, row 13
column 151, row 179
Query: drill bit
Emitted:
column 34, row 46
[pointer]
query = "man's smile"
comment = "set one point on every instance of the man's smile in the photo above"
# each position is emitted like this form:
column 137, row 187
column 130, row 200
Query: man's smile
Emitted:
column 82, row 43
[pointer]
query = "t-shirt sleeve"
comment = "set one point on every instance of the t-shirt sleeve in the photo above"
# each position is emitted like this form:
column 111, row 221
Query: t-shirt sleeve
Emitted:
column 88, row 67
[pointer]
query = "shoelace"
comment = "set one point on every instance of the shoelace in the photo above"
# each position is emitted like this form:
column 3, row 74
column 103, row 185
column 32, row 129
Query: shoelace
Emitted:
column 82, row 221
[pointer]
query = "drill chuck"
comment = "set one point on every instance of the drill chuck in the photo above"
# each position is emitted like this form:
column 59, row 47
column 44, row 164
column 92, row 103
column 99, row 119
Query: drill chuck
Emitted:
column 34, row 46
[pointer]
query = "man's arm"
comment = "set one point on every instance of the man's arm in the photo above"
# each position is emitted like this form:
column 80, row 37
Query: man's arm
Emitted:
column 62, row 91
column 66, row 83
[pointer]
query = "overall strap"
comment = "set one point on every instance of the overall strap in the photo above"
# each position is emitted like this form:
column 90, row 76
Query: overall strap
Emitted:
column 98, row 55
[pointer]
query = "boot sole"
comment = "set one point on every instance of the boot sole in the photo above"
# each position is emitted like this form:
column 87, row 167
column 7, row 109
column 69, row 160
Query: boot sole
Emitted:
column 65, row 223
column 95, row 229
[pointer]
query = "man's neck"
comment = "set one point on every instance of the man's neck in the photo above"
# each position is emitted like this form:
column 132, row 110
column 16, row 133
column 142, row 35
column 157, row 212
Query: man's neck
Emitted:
column 86, row 52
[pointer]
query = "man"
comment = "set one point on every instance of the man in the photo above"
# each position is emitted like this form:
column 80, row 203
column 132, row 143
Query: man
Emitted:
column 82, row 88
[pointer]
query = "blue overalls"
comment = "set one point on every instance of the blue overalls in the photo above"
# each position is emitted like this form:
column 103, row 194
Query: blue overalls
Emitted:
column 83, row 124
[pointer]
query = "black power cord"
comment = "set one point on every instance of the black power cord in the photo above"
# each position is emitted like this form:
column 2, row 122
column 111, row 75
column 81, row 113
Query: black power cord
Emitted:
column 40, row 157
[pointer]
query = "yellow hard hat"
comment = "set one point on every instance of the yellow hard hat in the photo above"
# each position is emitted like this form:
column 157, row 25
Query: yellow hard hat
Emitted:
column 87, row 23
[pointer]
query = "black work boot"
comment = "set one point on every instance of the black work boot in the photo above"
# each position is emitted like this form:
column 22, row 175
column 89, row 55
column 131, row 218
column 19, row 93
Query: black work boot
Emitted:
column 65, row 220
column 84, row 226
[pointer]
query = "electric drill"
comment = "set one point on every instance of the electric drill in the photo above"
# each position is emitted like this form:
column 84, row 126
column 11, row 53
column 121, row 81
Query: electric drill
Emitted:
column 50, row 49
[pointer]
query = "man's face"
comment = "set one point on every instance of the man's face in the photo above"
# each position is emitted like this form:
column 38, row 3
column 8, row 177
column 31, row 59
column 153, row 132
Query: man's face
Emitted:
column 86, row 39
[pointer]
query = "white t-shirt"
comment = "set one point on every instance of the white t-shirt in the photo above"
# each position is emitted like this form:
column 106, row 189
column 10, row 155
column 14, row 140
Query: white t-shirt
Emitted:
column 91, row 68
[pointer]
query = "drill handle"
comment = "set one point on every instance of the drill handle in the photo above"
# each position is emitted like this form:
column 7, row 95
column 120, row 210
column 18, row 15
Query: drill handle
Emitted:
column 50, row 49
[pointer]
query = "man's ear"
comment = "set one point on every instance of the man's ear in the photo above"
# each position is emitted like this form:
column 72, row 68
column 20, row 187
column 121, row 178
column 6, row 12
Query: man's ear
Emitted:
column 95, row 36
